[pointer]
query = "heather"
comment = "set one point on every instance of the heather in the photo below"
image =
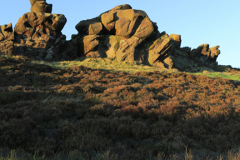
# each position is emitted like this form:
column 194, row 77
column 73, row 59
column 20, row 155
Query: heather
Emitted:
column 96, row 112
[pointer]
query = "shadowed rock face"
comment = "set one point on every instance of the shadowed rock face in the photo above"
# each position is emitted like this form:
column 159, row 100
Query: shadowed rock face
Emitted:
column 37, row 34
column 40, row 32
column 6, row 39
column 6, row 32
column 40, row 6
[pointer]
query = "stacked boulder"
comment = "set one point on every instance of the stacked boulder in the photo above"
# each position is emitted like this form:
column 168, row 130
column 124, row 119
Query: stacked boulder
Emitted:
column 126, row 34
column 114, row 34
column 37, row 34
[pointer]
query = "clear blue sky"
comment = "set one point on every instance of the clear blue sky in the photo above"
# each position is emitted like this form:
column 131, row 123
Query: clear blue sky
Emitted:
column 216, row 22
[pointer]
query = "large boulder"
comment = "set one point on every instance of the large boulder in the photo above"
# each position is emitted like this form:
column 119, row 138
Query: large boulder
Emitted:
column 115, row 34
column 158, row 51
column 40, row 6
column 127, row 23
column 40, row 31
column 126, row 34
column 38, row 35
column 89, row 45
column 90, row 27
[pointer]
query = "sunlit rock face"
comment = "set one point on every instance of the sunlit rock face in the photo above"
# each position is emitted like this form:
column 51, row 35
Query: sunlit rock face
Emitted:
column 126, row 34
column 40, row 6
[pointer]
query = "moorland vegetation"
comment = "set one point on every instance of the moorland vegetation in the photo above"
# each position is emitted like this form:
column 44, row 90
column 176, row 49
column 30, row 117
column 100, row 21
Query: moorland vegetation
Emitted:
column 98, row 109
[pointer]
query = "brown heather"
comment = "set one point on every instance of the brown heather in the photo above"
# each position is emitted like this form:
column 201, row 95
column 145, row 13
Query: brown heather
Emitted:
column 145, row 115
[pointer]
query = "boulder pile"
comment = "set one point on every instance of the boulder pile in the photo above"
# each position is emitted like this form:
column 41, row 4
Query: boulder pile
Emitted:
column 37, row 34
column 126, row 34
column 121, row 33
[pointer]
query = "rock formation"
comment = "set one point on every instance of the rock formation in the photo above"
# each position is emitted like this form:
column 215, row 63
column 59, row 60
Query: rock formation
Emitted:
column 37, row 34
column 121, row 33
column 39, row 31
column 126, row 34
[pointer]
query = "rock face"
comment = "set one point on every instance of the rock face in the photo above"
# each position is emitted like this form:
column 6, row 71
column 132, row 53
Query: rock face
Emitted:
column 126, row 34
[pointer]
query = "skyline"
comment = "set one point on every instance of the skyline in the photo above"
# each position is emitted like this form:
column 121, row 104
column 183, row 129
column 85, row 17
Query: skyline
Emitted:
column 198, row 22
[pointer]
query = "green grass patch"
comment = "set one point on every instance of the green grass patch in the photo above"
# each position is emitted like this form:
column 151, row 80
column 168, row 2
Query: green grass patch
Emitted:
column 105, row 64
column 114, row 65
column 225, row 75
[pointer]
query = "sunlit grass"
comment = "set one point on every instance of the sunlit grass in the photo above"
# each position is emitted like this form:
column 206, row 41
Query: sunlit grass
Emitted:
column 113, row 65
column 105, row 64
column 225, row 75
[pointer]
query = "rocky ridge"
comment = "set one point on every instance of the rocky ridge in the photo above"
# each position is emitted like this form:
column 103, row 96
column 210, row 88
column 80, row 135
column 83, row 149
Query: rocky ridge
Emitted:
column 121, row 33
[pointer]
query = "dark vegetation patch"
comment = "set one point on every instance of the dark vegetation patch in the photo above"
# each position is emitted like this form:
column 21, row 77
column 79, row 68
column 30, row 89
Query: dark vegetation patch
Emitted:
column 131, row 115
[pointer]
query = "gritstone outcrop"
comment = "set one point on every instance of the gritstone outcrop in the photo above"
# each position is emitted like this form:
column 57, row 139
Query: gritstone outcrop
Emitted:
column 122, row 33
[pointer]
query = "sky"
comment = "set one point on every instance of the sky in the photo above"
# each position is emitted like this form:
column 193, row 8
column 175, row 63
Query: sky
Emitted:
column 216, row 22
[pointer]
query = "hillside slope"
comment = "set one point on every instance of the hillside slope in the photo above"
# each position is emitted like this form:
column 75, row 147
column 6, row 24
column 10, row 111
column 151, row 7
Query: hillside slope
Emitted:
column 133, row 116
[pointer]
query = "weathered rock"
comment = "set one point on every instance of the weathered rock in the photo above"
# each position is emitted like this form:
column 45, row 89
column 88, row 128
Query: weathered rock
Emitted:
column 89, row 45
column 121, row 33
column 40, row 6
column 121, row 7
column 6, row 32
column 158, row 51
column 108, row 20
column 112, row 45
column 177, row 40
column 42, row 29
column 38, row 35
column 126, row 50
column 205, row 55
column 126, row 22
column 90, row 27
column 124, row 29
column 126, row 34
column 53, row 52
column 214, row 52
